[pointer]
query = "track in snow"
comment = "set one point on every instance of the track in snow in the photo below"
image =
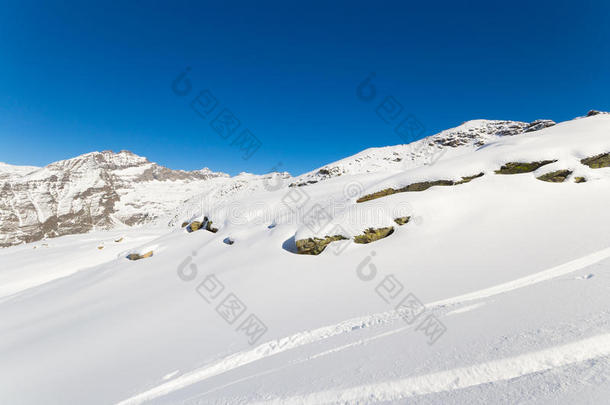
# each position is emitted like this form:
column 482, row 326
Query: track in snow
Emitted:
column 458, row 378
column 271, row 348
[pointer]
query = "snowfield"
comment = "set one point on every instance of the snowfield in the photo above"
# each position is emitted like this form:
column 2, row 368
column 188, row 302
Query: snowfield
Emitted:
column 495, row 291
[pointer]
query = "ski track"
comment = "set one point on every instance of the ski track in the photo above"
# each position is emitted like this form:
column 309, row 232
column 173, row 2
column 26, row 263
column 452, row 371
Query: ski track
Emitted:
column 359, row 342
column 458, row 378
column 271, row 348
column 556, row 271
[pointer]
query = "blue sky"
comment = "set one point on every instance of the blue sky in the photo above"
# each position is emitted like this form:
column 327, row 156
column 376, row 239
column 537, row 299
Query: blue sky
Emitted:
column 78, row 77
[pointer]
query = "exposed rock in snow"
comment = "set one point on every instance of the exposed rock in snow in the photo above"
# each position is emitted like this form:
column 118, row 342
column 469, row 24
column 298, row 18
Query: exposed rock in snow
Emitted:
column 595, row 112
column 597, row 162
column 538, row 125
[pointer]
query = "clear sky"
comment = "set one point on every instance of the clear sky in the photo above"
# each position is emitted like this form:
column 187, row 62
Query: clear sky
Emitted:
column 79, row 76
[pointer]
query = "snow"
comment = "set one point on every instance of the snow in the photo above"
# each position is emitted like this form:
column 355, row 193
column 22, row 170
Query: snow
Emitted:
column 516, row 269
column 30, row 262
column 12, row 170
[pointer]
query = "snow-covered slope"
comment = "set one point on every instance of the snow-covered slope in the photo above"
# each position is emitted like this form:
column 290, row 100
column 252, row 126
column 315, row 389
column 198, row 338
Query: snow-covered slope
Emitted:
column 390, row 159
column 496, row 291
column 7, row 170
column 451, row 142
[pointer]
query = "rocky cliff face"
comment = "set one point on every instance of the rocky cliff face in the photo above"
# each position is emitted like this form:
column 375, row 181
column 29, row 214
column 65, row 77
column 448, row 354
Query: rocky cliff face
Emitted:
column 92, row 191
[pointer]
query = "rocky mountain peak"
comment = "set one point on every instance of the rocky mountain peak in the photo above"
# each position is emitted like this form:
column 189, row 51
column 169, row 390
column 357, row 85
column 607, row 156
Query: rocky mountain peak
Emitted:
column 91, row 191
column 106, row 160
column 480, row 132
column 596, row 112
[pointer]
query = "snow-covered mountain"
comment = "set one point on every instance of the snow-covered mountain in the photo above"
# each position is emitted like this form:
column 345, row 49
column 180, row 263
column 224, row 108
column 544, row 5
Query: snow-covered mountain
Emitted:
column 102, row 190
column 480, row 279
column 98, row 190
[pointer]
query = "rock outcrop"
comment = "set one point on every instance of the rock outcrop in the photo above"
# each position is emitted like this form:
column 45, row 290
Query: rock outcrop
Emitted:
column 421, row 186
column 558, row 176
column 197, row 225
column 597, row 162
column 138, row 256
column 315, row 246
column 522, row 167
column 373, row 234
column 595, row 112
column 402, row 220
